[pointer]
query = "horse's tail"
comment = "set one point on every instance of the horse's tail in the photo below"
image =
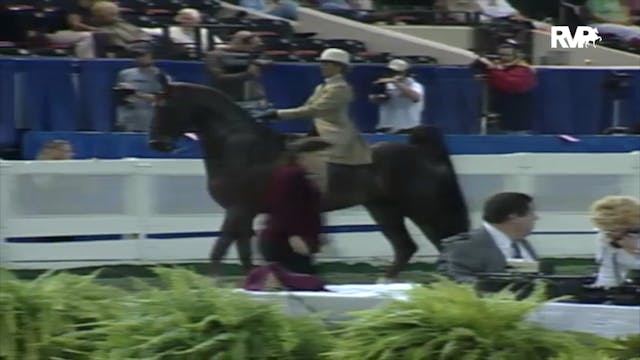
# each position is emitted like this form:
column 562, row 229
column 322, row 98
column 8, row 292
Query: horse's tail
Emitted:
column 431, row 143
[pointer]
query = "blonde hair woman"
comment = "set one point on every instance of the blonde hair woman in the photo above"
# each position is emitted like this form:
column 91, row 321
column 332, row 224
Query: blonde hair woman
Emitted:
column 618, row 220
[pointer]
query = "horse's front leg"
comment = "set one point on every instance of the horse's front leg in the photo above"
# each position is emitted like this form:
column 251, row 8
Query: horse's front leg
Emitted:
column 238, row 227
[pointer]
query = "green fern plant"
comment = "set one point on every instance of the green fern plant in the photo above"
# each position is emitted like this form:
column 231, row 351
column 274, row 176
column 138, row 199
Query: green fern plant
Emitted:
column 626, row 348
column 448, row 321
column 53, row 316
column 187, row 318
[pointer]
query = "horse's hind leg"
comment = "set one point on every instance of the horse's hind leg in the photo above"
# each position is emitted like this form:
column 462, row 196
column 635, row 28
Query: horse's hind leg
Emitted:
column 390, row 218
column 238, row 227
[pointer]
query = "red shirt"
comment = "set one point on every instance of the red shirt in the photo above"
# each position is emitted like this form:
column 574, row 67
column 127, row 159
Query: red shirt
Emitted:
column 294, row 208
column 515, row 79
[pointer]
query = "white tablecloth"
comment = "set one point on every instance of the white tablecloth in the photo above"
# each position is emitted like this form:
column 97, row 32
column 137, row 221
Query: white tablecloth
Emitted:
column 603, row 320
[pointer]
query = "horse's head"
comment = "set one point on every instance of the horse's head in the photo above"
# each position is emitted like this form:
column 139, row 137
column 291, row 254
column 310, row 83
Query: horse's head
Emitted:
column 171, row 117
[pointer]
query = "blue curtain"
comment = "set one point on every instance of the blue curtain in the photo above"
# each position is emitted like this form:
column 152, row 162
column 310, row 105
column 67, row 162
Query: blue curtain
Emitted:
column 8, row 131
column 570, row 101
column 452, row 98
column 97, row 77
column 185, row 71
column 48, row 93
column 289, row 86
column 118, row 145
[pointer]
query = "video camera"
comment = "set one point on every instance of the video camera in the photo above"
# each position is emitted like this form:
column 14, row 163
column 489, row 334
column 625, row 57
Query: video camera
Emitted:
column 380, row 88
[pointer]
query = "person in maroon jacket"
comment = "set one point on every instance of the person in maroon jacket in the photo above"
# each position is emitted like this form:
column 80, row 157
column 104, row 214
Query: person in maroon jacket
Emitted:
column 293, row 225
column 511, row 81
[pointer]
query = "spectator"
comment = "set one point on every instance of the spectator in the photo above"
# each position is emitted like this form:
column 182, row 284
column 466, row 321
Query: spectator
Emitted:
column 511, row 81
column 489, row 9
column 53, row 150
column 612, row 17
column 235, row 69
column 140, row 86
column 56, row 150
column 508, row 218
column 77, row 29
column 402, row 100
column 618, row 221
column 121, row 34
column 285, row 9
column 185, row 33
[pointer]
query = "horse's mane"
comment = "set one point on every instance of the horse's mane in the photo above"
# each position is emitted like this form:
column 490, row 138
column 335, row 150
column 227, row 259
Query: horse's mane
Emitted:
column 191, row 92
column 212, row 98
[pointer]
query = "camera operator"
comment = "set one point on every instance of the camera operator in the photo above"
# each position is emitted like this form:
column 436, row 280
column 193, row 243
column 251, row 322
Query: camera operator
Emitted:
column 136, row 90
column 236, row 69
column 511, row 81
column 401, row 99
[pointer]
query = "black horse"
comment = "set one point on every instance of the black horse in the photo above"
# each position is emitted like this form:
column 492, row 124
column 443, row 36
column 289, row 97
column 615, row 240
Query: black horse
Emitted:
column 415, row 180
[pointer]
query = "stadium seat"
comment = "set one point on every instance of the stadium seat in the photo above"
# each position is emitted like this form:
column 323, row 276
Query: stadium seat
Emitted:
column 11, row 49
column 280, row 27
column 209, row 7
column 349, row 45
column 145, row 21
column 133, row 6
column 171, row 6
column 276, row 43
column 51, row 4
column 375, row 57
column 421, row 59
column 309, row 44
column 282, row 56
column 54, row 51
column 306, row 55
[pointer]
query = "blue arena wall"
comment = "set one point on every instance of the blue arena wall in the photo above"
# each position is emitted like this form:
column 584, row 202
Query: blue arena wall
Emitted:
column 116, row 146
column 71, row 95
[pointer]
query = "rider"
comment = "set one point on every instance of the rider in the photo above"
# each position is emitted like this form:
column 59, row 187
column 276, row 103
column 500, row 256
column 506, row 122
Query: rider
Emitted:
column 329, row 108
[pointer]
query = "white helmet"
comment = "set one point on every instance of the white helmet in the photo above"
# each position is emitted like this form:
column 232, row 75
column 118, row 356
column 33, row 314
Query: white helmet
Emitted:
column 335, row 55
column 398, row 65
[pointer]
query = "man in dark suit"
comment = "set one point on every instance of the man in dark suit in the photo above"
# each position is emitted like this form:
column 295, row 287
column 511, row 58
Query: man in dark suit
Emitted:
column 508, row 218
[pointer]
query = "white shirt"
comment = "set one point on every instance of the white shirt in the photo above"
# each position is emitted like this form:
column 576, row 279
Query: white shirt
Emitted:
column 505, row 244
column 399, row 112
column 614, row 263
column 181, row 36
column 496, row 8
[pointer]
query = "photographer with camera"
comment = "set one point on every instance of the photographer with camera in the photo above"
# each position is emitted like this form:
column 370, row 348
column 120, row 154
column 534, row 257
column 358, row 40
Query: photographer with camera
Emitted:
column 400, row 97
column 510, row 82
column 236, row 69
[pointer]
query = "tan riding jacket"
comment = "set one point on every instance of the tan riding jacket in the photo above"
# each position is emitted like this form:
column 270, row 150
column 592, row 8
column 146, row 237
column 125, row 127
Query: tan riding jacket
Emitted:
column 329, row 108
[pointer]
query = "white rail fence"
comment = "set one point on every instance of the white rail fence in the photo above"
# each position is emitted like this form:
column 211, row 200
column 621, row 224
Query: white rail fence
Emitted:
column 138, row 197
